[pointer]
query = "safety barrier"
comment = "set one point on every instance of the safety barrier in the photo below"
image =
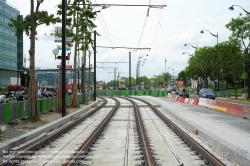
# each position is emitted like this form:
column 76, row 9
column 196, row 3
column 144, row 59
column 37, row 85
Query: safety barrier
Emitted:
column 202, row 101
column 190, row 101
column 210, row 103
column 235, row 109
column 195, row 102
column 181, row 99
column 246, row 112
column 221, row 106
column 228, row 107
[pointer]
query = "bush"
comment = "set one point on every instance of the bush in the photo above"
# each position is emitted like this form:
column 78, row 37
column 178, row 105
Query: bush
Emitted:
column 15, row 87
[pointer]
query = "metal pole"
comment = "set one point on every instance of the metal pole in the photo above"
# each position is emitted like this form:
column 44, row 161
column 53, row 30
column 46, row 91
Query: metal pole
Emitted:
column 217, row 63
column 130, row 70
column 165, row 75
column 78, row 78
column 117, row 82
column 94, row 65
column 63, row 57
column 114, row 77
column 136, row 75
column 89, row 69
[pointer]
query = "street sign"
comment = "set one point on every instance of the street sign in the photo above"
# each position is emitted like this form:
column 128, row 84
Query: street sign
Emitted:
column 67, row 66
column 58, row 35
column 60, row 48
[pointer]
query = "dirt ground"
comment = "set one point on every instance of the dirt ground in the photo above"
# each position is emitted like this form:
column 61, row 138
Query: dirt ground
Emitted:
column 45, row 118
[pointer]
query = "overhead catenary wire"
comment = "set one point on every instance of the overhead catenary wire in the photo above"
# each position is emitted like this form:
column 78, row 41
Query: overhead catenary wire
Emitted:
column 143, row 27
column 105, row 29
column 157, row 26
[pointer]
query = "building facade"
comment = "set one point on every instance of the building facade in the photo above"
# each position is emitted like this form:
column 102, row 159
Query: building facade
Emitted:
column 49, row 77
column 11, row 46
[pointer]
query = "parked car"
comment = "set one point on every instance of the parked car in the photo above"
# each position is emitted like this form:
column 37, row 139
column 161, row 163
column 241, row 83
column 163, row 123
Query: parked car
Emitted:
column 169, row 89
column 183, row 94
column 207, row 93
column 2, row 98
column 19, row 95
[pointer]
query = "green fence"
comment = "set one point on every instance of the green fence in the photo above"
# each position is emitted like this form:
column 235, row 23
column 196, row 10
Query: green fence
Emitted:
column 17, row 110
column 12, row 111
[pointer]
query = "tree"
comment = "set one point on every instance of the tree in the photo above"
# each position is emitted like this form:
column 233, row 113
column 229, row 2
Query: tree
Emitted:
column 240, row 28
column 182, row 76
column 79, row 19
column 203, row 64
column 29, row 26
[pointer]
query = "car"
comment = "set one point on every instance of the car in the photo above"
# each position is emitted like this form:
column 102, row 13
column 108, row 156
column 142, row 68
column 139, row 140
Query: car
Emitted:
column 183, row 94
column 207, row 93
column 2, row 99
column 169, row 89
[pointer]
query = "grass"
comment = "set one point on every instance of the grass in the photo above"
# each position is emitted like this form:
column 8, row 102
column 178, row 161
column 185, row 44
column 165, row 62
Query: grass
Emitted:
column 35, row 119
column 238, row 99
column 77, row 106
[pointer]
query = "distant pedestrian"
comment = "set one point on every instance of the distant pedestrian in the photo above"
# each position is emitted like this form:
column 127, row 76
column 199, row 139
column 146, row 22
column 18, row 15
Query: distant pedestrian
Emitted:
column 184, row 92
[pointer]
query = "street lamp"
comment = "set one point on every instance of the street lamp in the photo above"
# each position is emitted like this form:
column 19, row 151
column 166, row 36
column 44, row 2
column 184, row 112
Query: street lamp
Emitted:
column 217, row 36
column 190, row 45
column 188, row 53
column 232, row 8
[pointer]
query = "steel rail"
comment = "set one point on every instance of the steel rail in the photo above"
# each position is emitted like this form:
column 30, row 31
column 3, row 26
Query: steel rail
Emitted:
column 17, row 157
column 208, row 158
column 77, row 158
column 148, row 156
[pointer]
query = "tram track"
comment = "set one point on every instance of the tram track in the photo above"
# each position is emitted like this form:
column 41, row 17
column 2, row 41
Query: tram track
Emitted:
column 198, row 150
column 17, row 157
column 85, row 138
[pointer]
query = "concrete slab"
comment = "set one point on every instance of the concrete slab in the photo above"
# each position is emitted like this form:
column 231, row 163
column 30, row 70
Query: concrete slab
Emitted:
column 229, row 134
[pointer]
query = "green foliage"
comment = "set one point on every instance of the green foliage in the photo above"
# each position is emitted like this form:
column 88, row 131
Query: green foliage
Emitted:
column 35, row 119
column 77, row 106
column 182, row 76
column 41, row 17
column 240, row 28
column 10, row 100
column 86, row 103
column 2, row 91
column 80, row 17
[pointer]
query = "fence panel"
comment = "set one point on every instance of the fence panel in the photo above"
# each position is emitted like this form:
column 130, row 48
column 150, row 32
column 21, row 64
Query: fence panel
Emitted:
column 1, row 112
column 7, row 112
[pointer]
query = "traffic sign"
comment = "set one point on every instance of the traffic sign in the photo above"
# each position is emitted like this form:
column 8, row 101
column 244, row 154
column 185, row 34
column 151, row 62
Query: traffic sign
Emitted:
column 59, row 47
column 67, row 66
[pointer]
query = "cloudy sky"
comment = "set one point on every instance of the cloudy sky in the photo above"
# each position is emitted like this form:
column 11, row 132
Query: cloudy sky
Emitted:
column 165, row 31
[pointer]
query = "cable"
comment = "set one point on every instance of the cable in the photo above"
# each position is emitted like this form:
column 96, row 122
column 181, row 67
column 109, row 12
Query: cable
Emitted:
column 157, row 26
column 109, row 38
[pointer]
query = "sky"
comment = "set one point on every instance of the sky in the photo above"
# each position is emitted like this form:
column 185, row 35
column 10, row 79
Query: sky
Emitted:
column 164, row 31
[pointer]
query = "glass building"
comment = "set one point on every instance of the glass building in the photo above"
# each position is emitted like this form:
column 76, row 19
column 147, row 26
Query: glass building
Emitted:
column 49, row 77
column 11, row 46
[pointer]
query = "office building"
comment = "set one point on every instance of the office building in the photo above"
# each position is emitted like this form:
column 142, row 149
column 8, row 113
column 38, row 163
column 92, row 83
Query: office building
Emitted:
column 49, row 77
column 11, row 46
